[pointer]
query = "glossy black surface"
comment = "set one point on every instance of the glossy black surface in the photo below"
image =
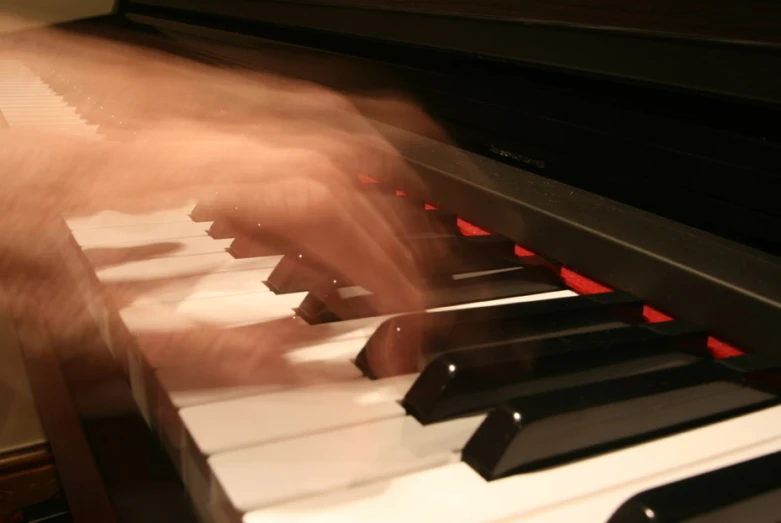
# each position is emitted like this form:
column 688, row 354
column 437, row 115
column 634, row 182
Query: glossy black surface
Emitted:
column 653, row 237
column 748, row 491
column 552, row 428
column 203, row 212
column 340, row 304
column 211, row 208
column 468, row 381
column 437, row 256
column 223, row 228
column 600, row 136
column 246, row 247
column 430, row 221
column 237, row 224
column 444, row 331
column 299, row 273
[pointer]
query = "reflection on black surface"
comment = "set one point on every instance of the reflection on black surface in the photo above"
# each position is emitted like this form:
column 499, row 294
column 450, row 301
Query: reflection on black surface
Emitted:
column 468, row 381
column 350, row 303
column 415, row 339
column 748, row 491
column 551, row 428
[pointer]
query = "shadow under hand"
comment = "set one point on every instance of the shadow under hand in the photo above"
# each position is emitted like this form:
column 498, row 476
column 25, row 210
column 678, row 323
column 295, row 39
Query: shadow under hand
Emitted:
column 108, row 257
column 229, row 361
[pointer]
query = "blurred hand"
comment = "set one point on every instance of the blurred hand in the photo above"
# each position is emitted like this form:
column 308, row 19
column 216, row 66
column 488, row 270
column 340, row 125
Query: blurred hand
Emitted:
column 286, row 157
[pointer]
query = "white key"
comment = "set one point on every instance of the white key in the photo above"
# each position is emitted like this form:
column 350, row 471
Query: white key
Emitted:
column 455, row 493
column 120, row 219
column 27, row 102
column 291, row 469
column 16, row 92
column 335, row 343
column 71, row 128
column 33, row 111
column 211, row 286
column 60, row 120
column 226, row 425
column 81, row 133
column 216, row 427
column 332, row 342
column 24, row 79
column 183, row 386
column 147, row 231
column 174, row 266
column 24, row 92
column 190, row 385
column 25, row 85
column 183, row 383
column 177, row 247
column 40, row 103
column 599, row 507
column 146, row 315
column 69, row 125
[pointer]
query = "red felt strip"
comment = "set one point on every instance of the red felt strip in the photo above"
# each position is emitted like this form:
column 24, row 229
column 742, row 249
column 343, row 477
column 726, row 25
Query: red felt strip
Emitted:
column 521, row 252
column 469, row 229
column 720, row 349
column 365, row 179
column 583, row 285
column 655, row 316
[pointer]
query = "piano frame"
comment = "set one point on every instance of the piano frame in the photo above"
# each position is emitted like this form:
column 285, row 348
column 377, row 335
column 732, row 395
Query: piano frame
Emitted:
column 685, row 272
column 111, row 467
column 706, row 63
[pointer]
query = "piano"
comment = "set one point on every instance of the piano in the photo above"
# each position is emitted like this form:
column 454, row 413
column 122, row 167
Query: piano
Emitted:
column 603, row 347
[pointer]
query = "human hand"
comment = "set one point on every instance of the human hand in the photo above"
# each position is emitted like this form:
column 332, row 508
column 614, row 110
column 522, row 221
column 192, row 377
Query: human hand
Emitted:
column 286, row 171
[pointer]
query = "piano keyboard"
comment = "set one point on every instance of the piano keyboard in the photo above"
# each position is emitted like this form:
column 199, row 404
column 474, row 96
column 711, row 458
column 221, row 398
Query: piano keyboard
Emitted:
column 349, row 448
column 28, row 102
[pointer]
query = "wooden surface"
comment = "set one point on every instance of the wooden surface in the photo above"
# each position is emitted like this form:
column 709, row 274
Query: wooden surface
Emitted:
column 747, row 19
column 19, row 15
column 109, row 464
column 27, row 478
column 27, row 471
column 20, row 426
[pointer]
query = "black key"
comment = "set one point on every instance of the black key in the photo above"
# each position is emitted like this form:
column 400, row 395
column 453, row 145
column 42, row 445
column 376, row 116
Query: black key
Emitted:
column 298, row 273
column 246, row 247
column 469, row 381
column 212, row 208
column 433, row 333
column 748, row 491
column 208, row 209
column 433, row 221
column 548, row 429
column 342, row 304
column 463, row 254
column 224, row 228
column 202, row 212
column 232, row 224
column 301, row 272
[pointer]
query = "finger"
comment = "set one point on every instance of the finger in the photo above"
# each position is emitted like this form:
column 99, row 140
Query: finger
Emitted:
column 341, row 232
column 100, row 257
column 206, row 345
